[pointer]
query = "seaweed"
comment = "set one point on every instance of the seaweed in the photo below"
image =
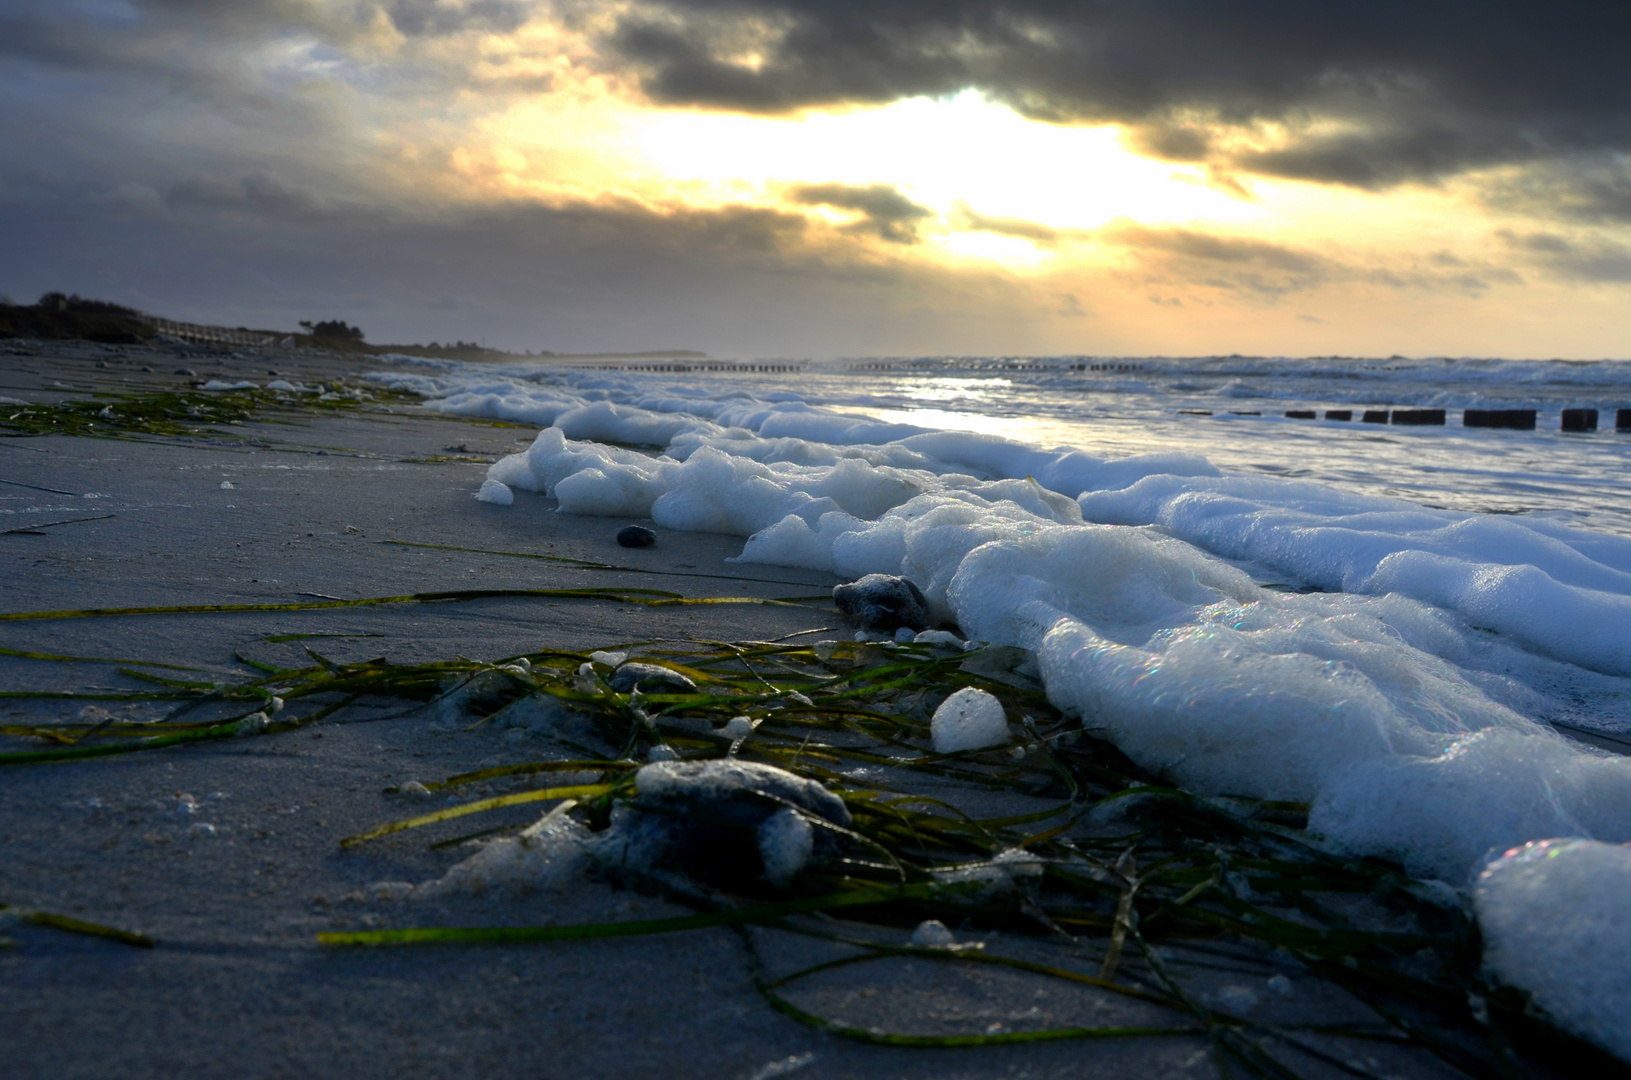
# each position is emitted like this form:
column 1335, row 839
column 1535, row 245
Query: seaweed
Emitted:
column 1132, row 883
column 211, row 414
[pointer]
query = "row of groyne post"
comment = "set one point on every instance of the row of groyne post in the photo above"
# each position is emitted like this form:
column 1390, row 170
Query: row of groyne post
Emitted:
column 679, row 367
column 939, row 364
column 1514, row 419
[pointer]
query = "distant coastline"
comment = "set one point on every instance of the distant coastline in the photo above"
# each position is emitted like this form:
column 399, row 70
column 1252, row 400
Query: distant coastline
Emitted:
column 63, row 317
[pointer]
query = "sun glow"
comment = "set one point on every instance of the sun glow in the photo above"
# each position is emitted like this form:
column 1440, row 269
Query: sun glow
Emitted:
column 950, row 155
column 997, row 190
column 938, row 152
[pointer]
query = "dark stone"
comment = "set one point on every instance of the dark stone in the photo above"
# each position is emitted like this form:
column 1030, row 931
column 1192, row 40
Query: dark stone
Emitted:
column 1339, row 414
column 1418, row 417
column 1622, row 420
column 882, row 602
column 648, row 678
column 1374, row 416
column 1579, row 420
column 636, row 536
column 189, row 372
column 1300, row 414
column 1516, row 419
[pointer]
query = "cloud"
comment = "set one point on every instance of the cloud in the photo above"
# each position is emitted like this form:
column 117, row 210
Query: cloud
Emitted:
column 420, row 18
column 1267, row 271
column 734, row 280
column 1233, row 264
column 1367, row 95
column 966, row 219
column 1172, row 142
column 885, row 212
column 1069, row 306
column 1593, row 259
column 1591, row 189
column 257, row 194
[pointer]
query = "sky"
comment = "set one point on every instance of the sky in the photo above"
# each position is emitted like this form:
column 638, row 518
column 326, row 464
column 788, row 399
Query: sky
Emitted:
column 834, row 177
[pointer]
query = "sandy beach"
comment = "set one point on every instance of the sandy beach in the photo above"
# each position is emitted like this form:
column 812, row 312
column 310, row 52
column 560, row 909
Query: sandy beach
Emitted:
column 226, row 854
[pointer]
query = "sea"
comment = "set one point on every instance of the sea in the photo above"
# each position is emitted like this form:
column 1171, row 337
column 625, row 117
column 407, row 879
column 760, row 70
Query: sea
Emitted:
column 1233, row 410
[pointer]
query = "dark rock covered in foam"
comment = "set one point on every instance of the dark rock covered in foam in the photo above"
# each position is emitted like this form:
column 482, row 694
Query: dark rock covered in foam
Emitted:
column 727, row 823
column 728, row 791
column 649, row 679
column 883, row 602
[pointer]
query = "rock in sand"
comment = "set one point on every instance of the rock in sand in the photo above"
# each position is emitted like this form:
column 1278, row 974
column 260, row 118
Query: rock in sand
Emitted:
column 636, row 536
column 883, row 602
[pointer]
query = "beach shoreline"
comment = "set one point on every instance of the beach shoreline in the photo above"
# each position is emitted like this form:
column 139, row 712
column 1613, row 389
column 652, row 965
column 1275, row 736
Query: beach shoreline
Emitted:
column 369, row 502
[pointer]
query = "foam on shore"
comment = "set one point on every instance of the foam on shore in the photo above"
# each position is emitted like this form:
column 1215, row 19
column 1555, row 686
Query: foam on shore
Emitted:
column 1408, row 704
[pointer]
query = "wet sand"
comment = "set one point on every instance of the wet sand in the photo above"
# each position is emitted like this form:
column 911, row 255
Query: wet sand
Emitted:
column 237, row 984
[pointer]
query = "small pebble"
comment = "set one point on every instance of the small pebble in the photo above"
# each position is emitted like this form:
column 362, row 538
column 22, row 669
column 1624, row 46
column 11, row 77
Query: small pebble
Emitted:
column 932, row 934
column 183, row 371
column 636, row 536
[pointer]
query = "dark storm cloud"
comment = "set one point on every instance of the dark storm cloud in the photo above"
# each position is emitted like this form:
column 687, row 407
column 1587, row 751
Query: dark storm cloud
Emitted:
column 885, row 212
column 1422, row 90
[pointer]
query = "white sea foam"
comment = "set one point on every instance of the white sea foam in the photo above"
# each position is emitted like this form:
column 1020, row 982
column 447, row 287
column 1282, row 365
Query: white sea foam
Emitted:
column 1408, row 703
column 1553, row 919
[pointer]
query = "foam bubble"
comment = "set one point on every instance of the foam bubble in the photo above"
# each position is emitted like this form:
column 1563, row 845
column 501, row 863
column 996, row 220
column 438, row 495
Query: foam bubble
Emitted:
column 496, row 493
column 970, row 719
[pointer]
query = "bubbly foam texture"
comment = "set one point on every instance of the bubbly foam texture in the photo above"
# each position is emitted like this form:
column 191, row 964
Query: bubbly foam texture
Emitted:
column 1533, row 581
column 549, row 854
column 1553, row 920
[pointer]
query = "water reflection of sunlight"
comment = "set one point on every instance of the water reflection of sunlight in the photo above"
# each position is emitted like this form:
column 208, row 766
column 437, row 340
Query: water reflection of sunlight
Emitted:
column 972, row 390
column 1040, row 431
